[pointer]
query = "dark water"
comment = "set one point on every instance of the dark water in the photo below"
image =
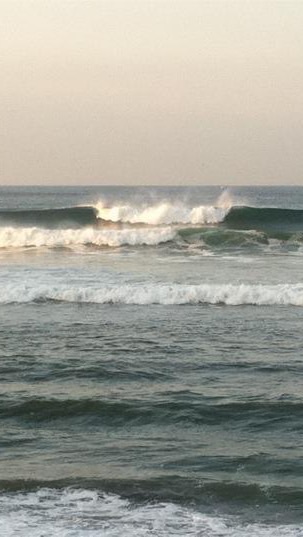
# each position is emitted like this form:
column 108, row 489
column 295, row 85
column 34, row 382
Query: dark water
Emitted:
column 151, row 362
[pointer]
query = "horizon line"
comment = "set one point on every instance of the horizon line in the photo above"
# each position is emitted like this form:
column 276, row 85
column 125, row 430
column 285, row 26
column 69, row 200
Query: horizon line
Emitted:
column 167, row 185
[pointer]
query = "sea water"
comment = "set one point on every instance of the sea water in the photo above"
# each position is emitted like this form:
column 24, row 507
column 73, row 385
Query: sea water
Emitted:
column 151, row 362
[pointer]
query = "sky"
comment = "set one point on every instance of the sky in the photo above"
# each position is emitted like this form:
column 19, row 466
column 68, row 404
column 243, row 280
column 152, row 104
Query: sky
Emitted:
column 151, row 92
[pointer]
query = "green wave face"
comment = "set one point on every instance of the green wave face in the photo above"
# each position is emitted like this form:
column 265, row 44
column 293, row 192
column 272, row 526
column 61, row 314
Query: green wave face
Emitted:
column 218, row 238
column 250, row 228
column 50, row 218
column 265, row 219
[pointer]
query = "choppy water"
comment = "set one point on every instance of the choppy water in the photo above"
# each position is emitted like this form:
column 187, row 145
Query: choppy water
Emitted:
column 151, row 362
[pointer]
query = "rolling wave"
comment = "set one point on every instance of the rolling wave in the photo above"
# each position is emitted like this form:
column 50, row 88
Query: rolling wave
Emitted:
column 218, row 239
column 196, row 410
column 225, row 213
column 163, row 294
column 201, row 238
column 264, row 218
column 163, row 214
column 80, row 216
column 12, row 237
column 206, row 227
column 50, row 218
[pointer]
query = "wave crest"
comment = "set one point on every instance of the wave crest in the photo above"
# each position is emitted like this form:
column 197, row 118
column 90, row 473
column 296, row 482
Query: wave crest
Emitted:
column 162, row 213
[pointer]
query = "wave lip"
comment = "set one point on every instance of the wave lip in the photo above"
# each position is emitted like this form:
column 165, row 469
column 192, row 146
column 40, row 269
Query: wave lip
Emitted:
column 162, row 294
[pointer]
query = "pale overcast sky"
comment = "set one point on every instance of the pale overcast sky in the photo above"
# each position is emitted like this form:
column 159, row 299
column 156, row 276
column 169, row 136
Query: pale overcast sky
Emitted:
column 151, row 92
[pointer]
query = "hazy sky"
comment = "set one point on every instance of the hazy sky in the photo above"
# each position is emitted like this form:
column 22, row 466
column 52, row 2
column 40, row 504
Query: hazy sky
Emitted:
column 151, row 92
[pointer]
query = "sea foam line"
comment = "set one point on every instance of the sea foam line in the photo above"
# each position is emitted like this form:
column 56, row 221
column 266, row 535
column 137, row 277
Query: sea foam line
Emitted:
column 165, row 294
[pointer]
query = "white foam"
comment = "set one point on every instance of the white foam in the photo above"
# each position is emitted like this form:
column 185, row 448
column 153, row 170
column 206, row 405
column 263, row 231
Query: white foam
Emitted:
column 14, row 237
column 150, row 293
column 162, row 213
column 83, row 513
column 168, row 212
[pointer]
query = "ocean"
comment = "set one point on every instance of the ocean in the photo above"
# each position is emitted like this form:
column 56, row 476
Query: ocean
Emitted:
column 151, row 362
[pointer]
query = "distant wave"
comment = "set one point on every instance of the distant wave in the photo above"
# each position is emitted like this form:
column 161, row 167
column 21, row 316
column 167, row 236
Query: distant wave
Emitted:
column 165, row 294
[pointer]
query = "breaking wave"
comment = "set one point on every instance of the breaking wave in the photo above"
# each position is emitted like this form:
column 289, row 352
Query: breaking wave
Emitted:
column 84, row 513
column 12, row 237
column 226, row 212
column 229, row 216
column 222, row 225
column 165, row 294
column 163, row 213
column 203, row 239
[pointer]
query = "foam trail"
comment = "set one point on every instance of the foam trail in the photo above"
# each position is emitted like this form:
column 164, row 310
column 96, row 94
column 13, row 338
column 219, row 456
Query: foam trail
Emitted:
column 145, row 294
column 12, row 237
column 87, row 513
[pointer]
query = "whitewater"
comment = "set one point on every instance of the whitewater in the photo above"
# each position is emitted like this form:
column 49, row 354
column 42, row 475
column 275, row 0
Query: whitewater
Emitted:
column 232, row 295
column 165, row 213
column 12, row 237
column 85, row 513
